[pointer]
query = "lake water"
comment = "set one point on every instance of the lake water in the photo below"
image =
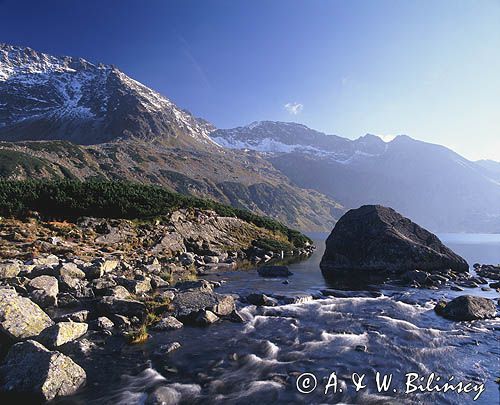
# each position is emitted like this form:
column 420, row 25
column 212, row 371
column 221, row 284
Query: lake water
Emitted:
column 261, row 360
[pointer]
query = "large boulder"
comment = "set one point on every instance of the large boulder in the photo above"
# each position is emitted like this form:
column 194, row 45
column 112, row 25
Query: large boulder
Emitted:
column 467, row 308
column 376, row 240
column 44, row 290
column 21, row 318
column 32, row 370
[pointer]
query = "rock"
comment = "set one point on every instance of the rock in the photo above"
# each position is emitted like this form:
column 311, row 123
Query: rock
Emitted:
column 261, row 300
column 211, row 259
column 20, row 318
column 206, row 317
column 121, row 321
column 300, row 299
column 70, row 270
column 167, row 323
column 418, row 276
column 203, row 285
column 44, row 290
column 456, row 288
column 62, row 332
column 187, row 259
column 468, row 308
column 189, row 303
column 100, row 267
column 50, row 260
column 495, row 284
column 377, row 240
column 158, row 282
column 274, row 271
column 65, row 300
column 236, row 317
column 78, row 316
column 136, row 287
column 166, row 349
column 9, row 269
column 360, row 348
column 126, row 307
column 104, row 323
column 101, row 286
column 31, row 370
column 119, row 292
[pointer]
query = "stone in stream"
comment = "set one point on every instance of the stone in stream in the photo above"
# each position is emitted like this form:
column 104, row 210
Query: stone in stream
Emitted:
column 30, row 369
column 188, row 303
column 261, row 300
column 206, row 317
column 467, row 308
column 21, row 318
column 376, row 240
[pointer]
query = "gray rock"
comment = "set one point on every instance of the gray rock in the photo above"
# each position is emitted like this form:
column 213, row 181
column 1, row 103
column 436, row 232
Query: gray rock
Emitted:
column 31, row 370
column 274, row 271
column 136, row 287
column 166, row 349
column 203, row 285
column 104, row 323
column 206, row 317
column 21, row 318
column 70, row 270
column 377, row 240
column 418, row 276
column 119, row 292
column 189, row 303
column 78, row 316
column 44, row 290
column 100, row 267
column 261, row 300
column 9, row 269
column 126, row 307
column 167, row 323
column 468, row 308
column 62, row 333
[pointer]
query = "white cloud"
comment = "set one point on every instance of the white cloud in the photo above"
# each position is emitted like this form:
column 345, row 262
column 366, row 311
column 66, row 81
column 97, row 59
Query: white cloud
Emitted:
column 294, row 108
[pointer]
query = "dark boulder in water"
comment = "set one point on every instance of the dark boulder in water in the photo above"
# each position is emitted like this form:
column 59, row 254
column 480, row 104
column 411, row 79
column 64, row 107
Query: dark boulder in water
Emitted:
column 467, row 308
column 377, row 240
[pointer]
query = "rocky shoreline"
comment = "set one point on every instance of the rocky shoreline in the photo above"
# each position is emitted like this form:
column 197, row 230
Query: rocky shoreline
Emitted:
column 58, row 300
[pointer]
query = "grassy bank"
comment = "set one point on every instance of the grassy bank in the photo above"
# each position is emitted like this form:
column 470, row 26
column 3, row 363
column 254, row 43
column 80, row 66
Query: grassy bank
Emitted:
column 71, row 199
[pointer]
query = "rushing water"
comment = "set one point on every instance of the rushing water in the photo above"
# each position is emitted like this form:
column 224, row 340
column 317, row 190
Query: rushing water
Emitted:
column 260, row 361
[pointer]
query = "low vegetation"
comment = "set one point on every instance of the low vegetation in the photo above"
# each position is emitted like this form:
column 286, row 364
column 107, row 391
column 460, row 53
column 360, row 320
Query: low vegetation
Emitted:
column 71, row 199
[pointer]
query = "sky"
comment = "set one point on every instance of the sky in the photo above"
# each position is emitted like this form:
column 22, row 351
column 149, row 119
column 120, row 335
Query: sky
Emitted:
column 428, row 69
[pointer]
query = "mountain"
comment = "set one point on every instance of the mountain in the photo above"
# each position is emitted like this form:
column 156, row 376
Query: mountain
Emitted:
column 46, row 97
column 491, row 168
column 67, row 117
column 429, row 183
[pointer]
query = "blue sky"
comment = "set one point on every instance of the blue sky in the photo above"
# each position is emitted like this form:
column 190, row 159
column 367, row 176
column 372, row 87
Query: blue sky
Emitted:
column 429, row 69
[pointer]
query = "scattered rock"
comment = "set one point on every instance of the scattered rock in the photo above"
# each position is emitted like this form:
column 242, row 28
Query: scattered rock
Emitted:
column 78, row 316
column 21, row 318
column 104, row 323
column 467, row 308
column 44, row 290
column 31, row 370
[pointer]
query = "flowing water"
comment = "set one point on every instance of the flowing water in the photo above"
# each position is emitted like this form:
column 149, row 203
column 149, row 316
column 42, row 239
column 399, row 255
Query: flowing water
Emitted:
column 394, row 332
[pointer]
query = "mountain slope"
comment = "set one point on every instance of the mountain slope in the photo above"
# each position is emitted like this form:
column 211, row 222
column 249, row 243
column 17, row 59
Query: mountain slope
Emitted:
column 429, row 183
column 92, row 121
